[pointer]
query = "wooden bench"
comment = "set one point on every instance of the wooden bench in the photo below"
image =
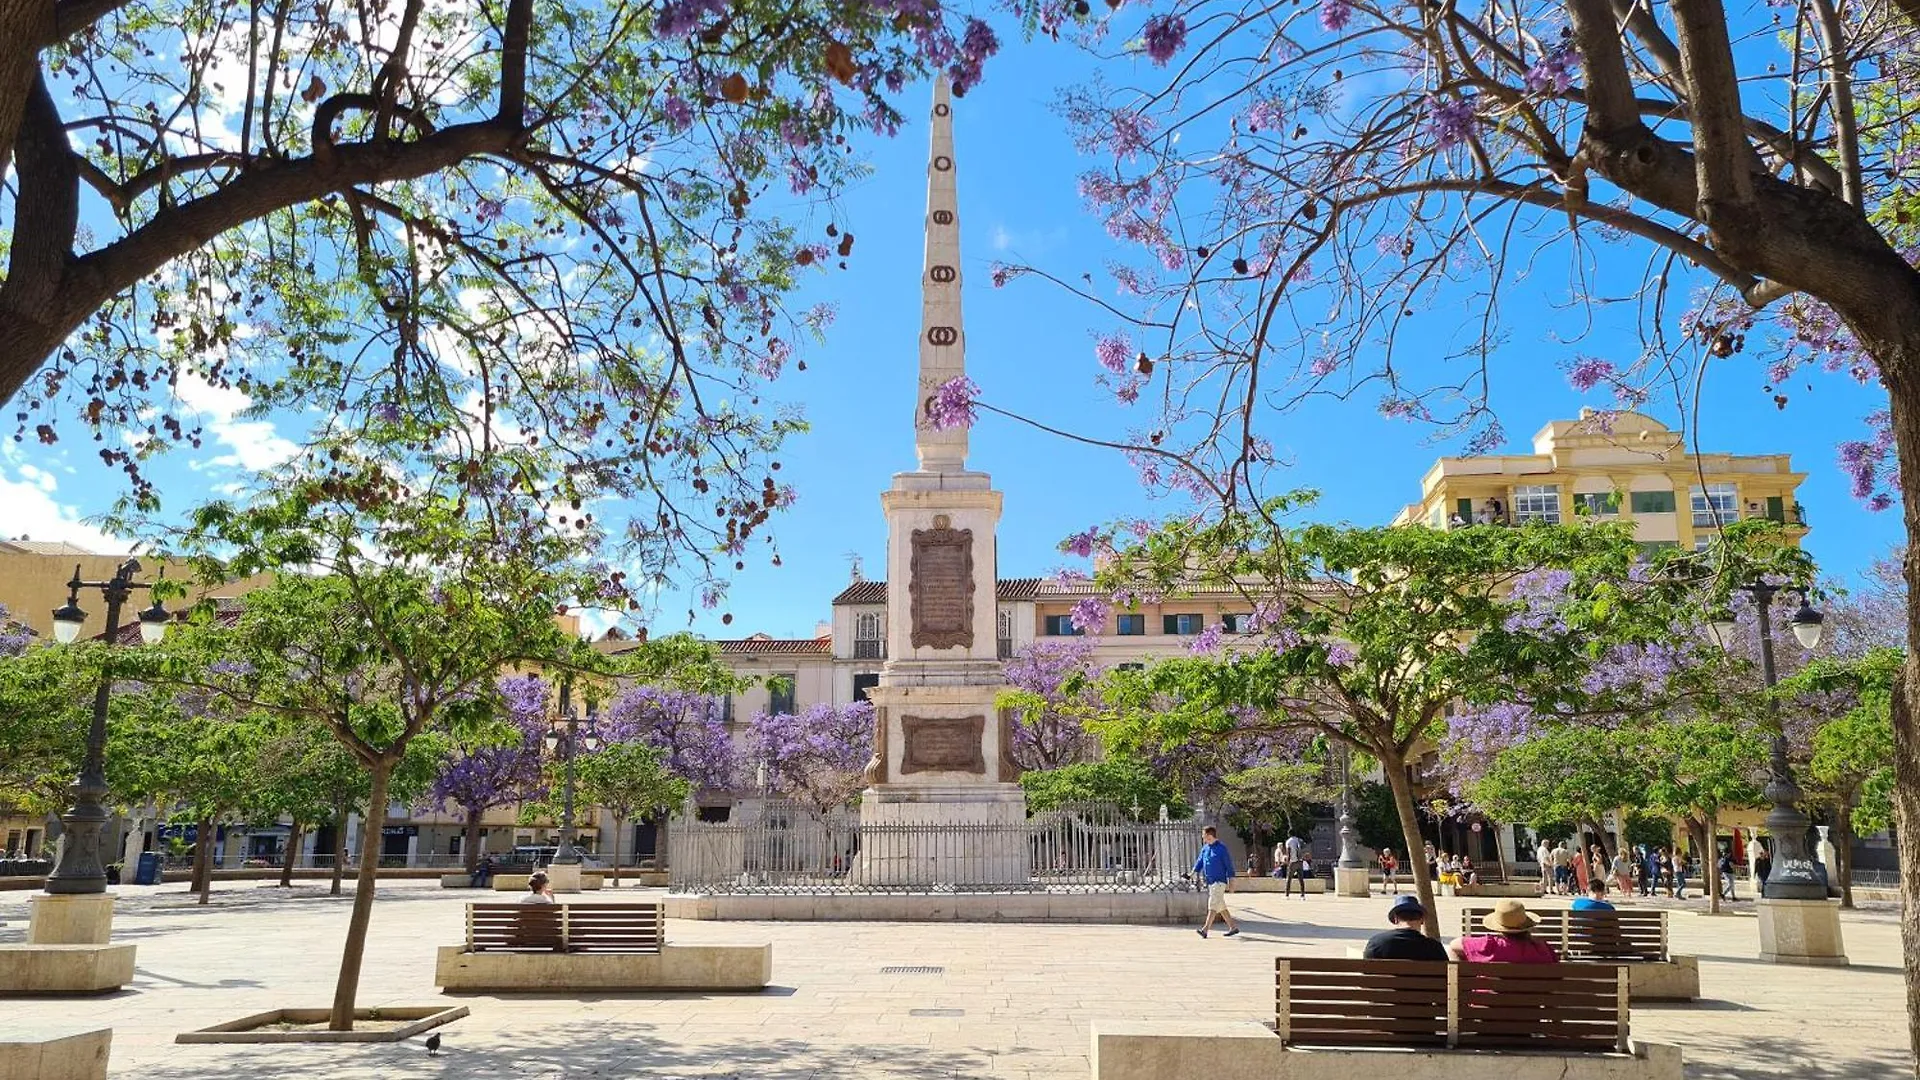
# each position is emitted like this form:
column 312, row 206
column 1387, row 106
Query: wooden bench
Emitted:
column 1593, row 935
column 1564, row 1008
column 568, row 928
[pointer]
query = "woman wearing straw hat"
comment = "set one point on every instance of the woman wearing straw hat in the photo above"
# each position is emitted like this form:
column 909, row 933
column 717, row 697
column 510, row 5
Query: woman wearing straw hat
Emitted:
column 1508, row 940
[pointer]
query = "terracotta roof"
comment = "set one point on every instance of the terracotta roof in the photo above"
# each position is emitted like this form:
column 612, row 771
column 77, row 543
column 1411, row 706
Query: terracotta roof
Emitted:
column 875, row 592
column 762, row 644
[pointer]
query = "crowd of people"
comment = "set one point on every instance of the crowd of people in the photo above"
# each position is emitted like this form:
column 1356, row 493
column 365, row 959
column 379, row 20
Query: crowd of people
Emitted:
column 1646, row 870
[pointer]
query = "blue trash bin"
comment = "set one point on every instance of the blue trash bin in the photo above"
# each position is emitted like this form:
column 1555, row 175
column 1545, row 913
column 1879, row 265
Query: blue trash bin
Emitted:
column 148, row 871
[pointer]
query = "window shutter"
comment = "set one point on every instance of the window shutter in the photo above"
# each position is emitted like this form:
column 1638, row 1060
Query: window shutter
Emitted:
column 1777, row 508
column 1169, row 624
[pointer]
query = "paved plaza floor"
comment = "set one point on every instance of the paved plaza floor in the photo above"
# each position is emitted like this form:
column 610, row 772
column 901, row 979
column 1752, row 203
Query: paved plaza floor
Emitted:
column 1007, row 1000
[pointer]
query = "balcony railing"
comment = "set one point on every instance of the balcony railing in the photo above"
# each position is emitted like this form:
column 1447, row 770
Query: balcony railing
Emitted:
column 869, row 650
column 1005, row 648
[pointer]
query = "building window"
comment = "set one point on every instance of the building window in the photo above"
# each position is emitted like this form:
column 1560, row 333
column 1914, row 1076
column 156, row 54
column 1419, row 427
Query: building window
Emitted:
column 1061, row 626
column 1596, row 503
column 1005, row 635
column 1132, row 666
column 863, row 683
column 780, row 697
column 1182, row 624
column 1130, row 625
column 1651, row 502
column 726, row 709
column 1715, row 505
column 1537, row 502
column 1649, row 547
column 1239, row 623
column 866, row 637
column 1777, row 508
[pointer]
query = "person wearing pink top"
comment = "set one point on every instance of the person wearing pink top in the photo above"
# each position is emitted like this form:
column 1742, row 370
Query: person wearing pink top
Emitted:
column 1509, row 939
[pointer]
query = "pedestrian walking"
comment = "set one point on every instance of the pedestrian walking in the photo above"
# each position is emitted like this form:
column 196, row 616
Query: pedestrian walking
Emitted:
column 1649, row 870
column 1215, row 867
column 1724, row 865
column 1623, row 872
column 1390, row 870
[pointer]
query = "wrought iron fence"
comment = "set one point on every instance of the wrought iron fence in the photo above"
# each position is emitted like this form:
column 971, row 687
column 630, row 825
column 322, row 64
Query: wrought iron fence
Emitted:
column 794, row 849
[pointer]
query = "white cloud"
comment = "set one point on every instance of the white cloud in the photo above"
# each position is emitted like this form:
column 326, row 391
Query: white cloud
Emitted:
column 256, row 445
column 28, row 509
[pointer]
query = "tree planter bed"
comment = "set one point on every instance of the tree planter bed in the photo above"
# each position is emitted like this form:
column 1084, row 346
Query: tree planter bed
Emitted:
column 398, row 1023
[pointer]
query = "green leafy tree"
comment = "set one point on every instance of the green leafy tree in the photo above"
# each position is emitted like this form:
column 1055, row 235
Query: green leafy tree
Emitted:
column 1365, row 637
column 630, row 781
column 1272, row 794
column 1125, row 781
column 1565, row 774
column 1700, row 765
column 1850, row 758
column 409, row 607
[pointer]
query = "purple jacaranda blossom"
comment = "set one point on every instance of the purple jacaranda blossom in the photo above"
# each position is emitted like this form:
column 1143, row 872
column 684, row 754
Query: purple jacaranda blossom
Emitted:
column 1323, row 365
column 952, row 405
column 1335, row 15
column 1264, row 114
column 679, row 18
column 1000, row 274
column 688, row 727
column 1538, row 600
column 1340, row 655
column 1081, row 543
column 1129, row 133
column 1127, row 391
column 679, row 114
column 817, row 755
column 1208, row 640
column 1450, row 120
column 1587, row 372
column 1090, row 614
column 1062, row 674
column 737, row 294
column 475, row 779
column 1115, row 352
column 1163, row 36
column 14, row 636
column 1554, row 72
column 977, row 43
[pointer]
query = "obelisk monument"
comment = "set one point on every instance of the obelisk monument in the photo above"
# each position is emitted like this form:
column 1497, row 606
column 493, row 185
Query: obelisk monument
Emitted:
column 942, row 755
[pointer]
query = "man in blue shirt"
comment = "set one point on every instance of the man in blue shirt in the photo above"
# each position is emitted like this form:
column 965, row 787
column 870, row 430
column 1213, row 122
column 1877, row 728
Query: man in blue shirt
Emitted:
column 1596, row 898
column 1215, row 867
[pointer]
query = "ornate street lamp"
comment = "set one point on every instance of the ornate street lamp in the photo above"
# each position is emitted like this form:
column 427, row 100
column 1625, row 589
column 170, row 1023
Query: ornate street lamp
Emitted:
column 1349, row 854
column 1795, row 875
column 79, row 870
column 567, row 854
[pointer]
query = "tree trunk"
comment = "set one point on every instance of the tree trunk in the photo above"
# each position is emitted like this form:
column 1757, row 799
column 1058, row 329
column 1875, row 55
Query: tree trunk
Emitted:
column 339, row 846
column 1843, row 829
column 203, row 860
column 1903, row 396
column 1395, row 767
column 470, row 840
column 348, row 987
column 617, row 826
column 1711, row 857
column 293, row 852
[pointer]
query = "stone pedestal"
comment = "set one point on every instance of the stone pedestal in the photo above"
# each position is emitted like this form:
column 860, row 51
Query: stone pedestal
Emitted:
column 564, row 877
column 1801, row 932
column 1351, row 881
column 943, row 836
column 83, row 919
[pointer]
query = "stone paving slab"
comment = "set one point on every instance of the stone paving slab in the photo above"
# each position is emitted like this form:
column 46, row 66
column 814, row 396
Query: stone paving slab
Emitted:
column 1025, row 994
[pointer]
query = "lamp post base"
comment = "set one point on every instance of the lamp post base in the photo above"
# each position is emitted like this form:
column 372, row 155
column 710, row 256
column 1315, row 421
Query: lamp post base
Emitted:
column 1351, row 881
column 564, row 877
column 70, row 919
column 1801, row 932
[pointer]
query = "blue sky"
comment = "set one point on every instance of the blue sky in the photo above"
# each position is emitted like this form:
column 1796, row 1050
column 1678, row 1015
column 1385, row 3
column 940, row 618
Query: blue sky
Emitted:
column 1030, row 347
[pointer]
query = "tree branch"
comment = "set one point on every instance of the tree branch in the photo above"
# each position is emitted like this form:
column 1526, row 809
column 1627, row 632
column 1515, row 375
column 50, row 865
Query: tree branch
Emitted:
column 1719, row 136
column 1846, row 131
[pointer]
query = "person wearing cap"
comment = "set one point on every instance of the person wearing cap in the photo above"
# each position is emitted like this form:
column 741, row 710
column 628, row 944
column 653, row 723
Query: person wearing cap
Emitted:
column 1405, row 941
column 1509, row 938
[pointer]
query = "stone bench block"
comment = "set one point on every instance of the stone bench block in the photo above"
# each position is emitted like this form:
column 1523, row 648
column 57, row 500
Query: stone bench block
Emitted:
column 518, row 882
column 1524, row 890
column 674, row 967
column 64, row 969
column 1226, row 1050
column 72, row 1054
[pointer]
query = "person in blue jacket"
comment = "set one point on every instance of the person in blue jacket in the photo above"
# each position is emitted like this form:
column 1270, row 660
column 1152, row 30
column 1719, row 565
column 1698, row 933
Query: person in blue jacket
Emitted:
column 1215, row 867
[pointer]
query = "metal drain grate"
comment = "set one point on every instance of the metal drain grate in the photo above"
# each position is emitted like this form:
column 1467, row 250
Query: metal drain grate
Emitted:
column 912, row 969
column 936, row 1012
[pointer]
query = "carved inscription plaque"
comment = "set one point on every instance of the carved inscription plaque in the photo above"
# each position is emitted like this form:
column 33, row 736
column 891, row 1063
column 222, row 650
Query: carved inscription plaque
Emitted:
column 941, row 588
column 942, row 744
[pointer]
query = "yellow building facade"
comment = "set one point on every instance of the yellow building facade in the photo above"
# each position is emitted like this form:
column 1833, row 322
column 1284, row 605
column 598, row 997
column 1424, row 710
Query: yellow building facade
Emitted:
column 1616, row 465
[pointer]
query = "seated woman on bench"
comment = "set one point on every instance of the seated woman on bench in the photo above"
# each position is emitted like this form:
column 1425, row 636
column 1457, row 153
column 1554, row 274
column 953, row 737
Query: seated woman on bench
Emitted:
column 1508, row 940
column 538, row 891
